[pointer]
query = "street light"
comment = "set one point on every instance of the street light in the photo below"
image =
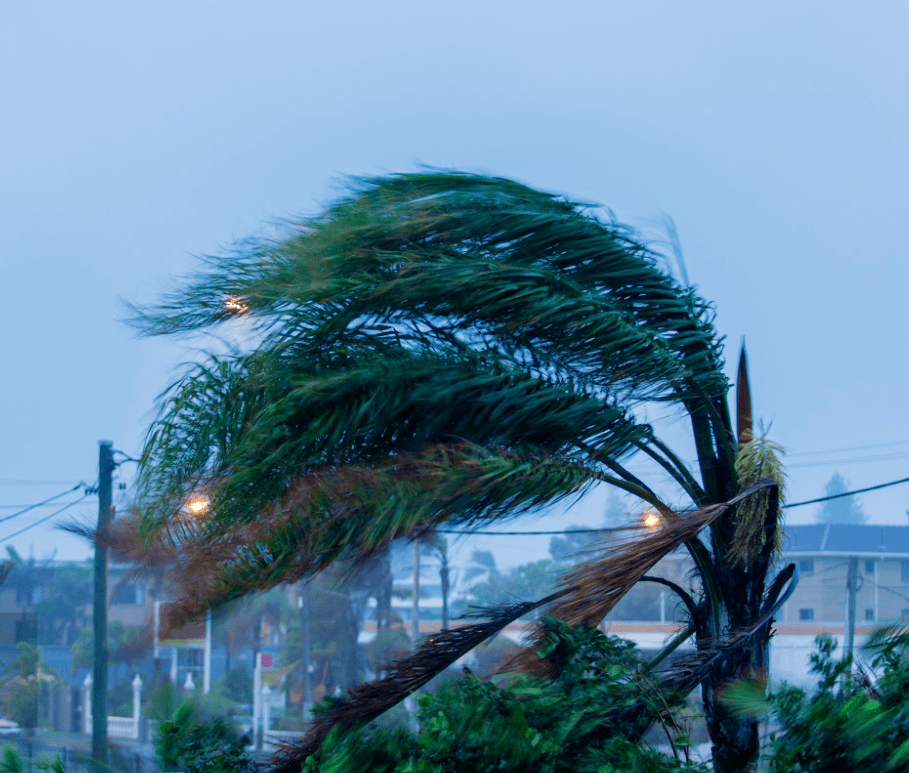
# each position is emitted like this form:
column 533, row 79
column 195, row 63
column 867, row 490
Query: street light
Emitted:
column 197, row 504
column 652, row 520
column 235, row 304
column 194, row 507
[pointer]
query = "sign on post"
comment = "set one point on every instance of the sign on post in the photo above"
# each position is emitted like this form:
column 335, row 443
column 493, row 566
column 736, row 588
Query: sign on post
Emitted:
column 192, row 636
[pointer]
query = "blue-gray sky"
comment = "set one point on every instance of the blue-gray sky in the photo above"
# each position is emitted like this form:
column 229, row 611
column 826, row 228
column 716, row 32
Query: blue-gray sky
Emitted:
column 134, row 135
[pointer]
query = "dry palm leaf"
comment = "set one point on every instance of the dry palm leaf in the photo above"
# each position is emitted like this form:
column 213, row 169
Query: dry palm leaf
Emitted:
column 604, row 581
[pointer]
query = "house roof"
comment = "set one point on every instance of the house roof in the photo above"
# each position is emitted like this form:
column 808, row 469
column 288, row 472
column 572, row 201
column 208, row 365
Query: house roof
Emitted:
column 847, row 538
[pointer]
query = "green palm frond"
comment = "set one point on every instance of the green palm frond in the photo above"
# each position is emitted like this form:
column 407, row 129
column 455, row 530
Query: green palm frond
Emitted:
column 422, row 312
column 268, row 422
column 758, row 459
column 497, row 264
column 350, row 513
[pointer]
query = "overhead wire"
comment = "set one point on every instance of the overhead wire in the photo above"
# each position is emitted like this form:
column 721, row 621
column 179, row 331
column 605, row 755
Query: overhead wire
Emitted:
column 34, row 482
column 848, row 448
column 469, row 532
column 26, row 509
column 20, row 506
column 45, row 518
column 852, row 460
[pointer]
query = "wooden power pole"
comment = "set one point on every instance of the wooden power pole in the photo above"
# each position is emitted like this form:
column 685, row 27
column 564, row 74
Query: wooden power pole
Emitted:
column 851, row 591
column 99, row 678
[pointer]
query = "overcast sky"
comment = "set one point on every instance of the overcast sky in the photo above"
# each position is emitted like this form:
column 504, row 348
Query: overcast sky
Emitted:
column 136, row 135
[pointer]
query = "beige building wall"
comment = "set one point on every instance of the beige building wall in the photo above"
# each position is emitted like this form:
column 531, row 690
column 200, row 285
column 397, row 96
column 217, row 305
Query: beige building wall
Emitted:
column 820, row 597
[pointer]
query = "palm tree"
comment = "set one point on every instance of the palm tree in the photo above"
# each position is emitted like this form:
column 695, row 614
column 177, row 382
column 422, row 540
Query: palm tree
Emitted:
column 447, row 348
column 436, row 546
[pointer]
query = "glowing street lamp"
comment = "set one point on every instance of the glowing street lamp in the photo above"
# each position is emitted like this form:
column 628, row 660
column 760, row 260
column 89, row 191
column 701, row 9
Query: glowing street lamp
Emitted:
column 235, row 304
column 651, row 520
column 193, row 509
column 197, row 504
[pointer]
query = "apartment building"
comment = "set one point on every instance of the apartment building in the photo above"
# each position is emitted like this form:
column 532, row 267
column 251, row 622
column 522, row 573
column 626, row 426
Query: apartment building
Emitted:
column 822, row 553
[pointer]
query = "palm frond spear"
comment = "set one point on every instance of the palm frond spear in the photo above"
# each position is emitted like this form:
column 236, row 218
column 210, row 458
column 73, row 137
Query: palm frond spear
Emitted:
column 451, row 349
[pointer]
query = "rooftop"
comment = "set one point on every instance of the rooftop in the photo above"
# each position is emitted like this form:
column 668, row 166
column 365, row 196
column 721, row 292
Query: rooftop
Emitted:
column 847, row 538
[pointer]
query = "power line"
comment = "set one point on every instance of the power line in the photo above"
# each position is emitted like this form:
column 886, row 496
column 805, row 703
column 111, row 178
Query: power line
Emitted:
column 849, row 448
column 46, row 518
column 80, row 484
column 35, row 482
column 469, row 532
column 849, row 493
column 14, row 507
column 894, row 592
column 852, row 460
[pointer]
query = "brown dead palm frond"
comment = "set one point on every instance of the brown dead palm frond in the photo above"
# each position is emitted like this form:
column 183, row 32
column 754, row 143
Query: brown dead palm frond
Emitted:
column 602, row 582
column 343, row 512
column 688, row 671
column 405, row 676
column 744, row 414
column 590, row 591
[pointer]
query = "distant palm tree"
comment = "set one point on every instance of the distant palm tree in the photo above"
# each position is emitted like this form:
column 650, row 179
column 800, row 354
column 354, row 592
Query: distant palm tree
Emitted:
column 452, row 349
column 437, row 545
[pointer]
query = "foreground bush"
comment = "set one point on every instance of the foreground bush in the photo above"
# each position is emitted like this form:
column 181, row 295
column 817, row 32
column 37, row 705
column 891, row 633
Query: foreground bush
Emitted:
column 194, row 744
column 858, row 723
column 589, row 718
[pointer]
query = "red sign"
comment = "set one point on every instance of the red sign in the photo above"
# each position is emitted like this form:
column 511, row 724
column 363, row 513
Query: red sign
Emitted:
column 265, row 660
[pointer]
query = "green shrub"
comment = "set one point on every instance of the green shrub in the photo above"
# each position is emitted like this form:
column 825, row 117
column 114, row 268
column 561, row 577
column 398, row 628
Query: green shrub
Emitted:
column 195, row 744
column 578, row 722
column 851, row 722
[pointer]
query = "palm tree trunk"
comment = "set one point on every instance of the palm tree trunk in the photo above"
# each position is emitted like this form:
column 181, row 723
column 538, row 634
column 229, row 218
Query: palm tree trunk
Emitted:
column 350, row 659
column 742, row 583
column 734, row 737
column 445, row 580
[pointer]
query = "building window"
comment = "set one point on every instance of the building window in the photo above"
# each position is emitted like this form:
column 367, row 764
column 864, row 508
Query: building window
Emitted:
column 27, row 594
column 869, row 567
column 27, row 629
column 807, row 566
column 869, row 615
column 904, row 571
column 131, row 593
column 806, row 614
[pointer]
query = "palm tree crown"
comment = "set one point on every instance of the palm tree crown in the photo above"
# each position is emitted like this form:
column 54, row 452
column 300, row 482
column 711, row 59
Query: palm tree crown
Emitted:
column 437, row 348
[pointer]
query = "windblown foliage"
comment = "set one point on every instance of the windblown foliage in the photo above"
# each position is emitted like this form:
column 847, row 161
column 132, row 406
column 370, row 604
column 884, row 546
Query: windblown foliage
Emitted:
column 449, row 349
column 590, row 717
column 436, row 348
column 856, row 719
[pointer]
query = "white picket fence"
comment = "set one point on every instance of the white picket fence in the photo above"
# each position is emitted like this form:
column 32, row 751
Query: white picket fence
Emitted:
column 123, row 728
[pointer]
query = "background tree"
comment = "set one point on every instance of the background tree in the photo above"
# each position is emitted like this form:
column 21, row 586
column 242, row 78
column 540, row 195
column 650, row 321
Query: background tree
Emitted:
column 569, row 549
column 59, row 596
column 255, row 619
column 451, row 349
column 482, row 564
column 25, row 692
column 842, row 509
column 435, row 545
column 527, row 581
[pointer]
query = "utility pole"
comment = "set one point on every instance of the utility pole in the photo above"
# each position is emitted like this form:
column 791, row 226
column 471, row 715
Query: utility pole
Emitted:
column 851, row 592
column 306, row 630
column 99, row 679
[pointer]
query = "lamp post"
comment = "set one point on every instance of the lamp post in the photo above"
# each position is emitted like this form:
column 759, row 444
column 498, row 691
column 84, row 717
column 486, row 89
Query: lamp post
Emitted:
column 198, row 505
column 193, row 508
